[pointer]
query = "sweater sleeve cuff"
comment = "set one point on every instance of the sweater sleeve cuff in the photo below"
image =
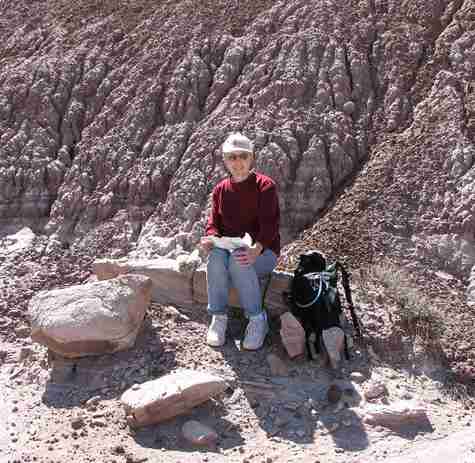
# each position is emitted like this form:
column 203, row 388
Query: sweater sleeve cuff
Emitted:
column 212, row 232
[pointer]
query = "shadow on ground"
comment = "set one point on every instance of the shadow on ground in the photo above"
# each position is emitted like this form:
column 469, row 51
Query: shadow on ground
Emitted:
column 74, row 381
column 168, row 435
column 294, row 405
column 405, row 352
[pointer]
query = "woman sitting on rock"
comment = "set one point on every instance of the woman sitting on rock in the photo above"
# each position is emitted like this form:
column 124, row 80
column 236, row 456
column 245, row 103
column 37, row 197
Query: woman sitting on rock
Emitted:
column 244, row 202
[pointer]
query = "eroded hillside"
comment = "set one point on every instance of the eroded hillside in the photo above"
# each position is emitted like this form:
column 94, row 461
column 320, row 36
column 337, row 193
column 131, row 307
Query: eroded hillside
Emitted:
column 115, row 115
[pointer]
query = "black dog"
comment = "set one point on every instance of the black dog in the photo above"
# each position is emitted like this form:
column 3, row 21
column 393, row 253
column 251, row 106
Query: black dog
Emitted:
column 314, row 300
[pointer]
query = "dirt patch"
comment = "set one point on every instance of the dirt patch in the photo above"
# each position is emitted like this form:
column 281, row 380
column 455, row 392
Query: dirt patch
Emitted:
column 73, row 409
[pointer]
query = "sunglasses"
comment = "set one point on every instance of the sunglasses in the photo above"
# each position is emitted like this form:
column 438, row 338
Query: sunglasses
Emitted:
column 236, row 156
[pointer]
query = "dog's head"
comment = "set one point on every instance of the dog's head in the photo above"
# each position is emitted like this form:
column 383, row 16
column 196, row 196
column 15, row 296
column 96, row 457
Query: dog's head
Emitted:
column 311, row 262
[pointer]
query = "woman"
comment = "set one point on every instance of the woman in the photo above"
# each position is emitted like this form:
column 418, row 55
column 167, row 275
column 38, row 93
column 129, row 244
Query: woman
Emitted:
column 245, row 202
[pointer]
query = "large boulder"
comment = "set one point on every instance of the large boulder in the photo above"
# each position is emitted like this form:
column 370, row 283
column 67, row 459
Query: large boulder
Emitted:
column 91, row 319
column 171, row 395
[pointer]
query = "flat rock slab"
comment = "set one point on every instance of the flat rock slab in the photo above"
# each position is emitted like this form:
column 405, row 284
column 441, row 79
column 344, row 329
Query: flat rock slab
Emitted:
column 91, row 319
column 396, row 415
column 187, row 289
column 170, row 286
column 169, row 396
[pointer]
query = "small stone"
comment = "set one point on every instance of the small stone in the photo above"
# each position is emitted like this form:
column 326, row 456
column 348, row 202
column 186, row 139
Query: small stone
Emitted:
column 118, row 450
column 350, row 398
column 357, row 377
column 77, row 423
column 300, row 433
column 24, row 353
column 349, row 107
column 199, row 434
column 277, row 366
column 92, row 402
column 281, row 421
column 22, row 331
column 292, row 406
column 334, row 394
column 333, row 427
column 375, row 390
column 373, row 356
column 98, row 423
column 254, row 403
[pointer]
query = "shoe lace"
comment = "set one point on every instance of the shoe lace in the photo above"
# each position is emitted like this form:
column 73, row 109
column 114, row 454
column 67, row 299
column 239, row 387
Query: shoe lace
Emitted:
column 219, row 323
column 253, row 328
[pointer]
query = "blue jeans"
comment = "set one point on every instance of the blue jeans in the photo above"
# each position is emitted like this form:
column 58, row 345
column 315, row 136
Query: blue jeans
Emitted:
column 223, row 271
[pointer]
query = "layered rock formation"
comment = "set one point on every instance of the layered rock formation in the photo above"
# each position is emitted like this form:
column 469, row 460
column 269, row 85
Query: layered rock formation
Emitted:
column 112, row 116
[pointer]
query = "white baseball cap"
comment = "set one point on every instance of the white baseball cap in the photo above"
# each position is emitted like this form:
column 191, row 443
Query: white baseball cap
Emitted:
column 237, row 142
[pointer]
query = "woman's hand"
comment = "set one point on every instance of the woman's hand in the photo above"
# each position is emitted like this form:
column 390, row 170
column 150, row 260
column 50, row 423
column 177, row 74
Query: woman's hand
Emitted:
column 206, row 244
column 247, row 256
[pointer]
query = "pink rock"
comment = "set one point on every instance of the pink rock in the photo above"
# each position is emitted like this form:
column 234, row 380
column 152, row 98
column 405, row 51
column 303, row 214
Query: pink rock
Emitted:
column 277, row 366
column 396, row 415
column 375, row 390
column 334, row 342
column 199, row 434
column 169, row 396
column 292, row 334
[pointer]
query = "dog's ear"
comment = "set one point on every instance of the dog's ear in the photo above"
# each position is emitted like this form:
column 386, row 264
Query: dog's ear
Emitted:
column 304, row 260
column 316, row 261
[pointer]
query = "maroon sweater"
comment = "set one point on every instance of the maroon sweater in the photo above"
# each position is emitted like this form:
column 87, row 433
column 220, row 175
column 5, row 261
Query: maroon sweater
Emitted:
column 250, row 206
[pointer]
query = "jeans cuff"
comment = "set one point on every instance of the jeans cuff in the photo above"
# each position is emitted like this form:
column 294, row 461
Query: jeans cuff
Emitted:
column 217, row 311
column 260, row 316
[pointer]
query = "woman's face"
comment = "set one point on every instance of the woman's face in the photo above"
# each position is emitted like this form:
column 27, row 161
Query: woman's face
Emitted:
column 239, row 164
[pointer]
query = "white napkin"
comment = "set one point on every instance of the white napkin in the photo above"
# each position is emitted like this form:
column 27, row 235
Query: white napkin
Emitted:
column 230, row 242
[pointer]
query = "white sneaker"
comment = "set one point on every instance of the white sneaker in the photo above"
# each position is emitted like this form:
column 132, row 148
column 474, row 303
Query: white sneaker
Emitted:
column 216, row 336
column 256, row 331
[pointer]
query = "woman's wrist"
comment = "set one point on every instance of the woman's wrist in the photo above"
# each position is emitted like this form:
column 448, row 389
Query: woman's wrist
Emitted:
column 259, row 248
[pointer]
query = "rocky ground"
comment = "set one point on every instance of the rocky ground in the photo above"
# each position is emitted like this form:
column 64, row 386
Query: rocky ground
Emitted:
column 265, row 415
column 273, row 410
column 111, row 118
